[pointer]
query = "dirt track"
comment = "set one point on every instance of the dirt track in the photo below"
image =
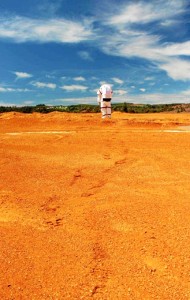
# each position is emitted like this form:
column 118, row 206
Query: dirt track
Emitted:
column 93, row 209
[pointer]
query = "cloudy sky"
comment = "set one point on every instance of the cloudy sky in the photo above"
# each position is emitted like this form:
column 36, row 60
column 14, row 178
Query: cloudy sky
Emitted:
column 61, row 51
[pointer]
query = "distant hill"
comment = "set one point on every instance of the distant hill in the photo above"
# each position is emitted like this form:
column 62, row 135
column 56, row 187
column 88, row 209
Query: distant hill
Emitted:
column 82, row 108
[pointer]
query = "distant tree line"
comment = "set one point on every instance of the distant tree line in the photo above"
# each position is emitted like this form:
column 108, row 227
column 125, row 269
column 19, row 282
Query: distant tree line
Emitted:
column 88, row 108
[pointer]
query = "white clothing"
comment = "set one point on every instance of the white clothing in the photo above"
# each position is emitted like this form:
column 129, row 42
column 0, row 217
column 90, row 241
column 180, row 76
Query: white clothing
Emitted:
column 104, row 96
column 99, row 96
column 105, row 91
column 105, row 109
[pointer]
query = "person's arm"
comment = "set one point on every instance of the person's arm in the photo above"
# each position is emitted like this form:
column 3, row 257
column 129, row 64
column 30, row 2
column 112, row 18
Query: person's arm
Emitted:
column 99, row 95
column 111, row 93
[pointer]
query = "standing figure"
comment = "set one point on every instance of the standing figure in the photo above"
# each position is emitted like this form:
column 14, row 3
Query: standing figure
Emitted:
column 104, row 99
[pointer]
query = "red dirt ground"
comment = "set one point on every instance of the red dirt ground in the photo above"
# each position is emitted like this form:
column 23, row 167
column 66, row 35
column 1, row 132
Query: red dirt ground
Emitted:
column 93, row 209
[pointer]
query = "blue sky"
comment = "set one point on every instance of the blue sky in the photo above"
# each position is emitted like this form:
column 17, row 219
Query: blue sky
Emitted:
column 59, row 52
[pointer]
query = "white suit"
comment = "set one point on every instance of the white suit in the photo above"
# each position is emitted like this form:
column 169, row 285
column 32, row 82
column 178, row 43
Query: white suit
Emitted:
column 104, row 98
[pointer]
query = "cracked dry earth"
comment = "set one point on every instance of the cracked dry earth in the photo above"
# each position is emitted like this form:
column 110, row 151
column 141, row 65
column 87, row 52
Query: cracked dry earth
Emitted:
column 93, row 209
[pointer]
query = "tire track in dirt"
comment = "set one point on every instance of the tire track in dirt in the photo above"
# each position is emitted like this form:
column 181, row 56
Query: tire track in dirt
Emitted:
column 99, row 270
column 100, row 231
column 107, row 176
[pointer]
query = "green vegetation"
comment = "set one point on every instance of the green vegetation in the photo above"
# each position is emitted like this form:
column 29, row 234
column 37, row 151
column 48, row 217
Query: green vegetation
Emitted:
column 88, row 108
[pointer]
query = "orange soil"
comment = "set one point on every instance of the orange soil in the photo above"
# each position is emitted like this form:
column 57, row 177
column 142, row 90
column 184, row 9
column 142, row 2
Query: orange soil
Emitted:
column 94, row 209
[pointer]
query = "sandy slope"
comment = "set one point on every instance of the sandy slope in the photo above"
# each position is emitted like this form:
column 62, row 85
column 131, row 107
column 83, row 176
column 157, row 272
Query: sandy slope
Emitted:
column 94, row 209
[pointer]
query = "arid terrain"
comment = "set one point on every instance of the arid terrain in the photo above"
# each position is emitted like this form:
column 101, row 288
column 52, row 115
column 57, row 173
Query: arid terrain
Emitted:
column 94, row 209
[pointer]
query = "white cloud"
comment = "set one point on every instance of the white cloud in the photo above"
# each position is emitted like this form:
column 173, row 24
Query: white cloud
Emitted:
column 6, row 89
column 47, row 8
column 71, row 88
column 158, row 98
column 105, row 82
column 176, row 49
column 21, row 75
column 129, row 39
column 187, row 92
column 149, row 78
column 39, row 84
column 3, row 103
column 142, row 45
column 146, row 12
column 80, row 78
column 120, row 33
column 50, row 76
column 22, row 29
column 153, row 98
column 137, row 99
column 177, row 69
column 142, row 90
column 28, row 102
column 70, row 101
column 2, row 89
column 117, row 80
column 168, row 23
column 165, row 57
column 94, row 91
column 102, row 82
column 120, row 92
column 85, row 55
